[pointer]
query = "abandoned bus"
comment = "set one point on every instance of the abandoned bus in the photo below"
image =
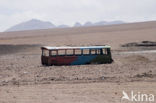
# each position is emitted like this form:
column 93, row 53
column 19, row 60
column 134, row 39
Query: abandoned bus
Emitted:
column 75, row 55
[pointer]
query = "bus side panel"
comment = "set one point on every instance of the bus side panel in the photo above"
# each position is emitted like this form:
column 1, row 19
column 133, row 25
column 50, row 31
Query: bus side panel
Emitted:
column 83, row 60
column 77, row 60
column 62, row 60
column 100, row 59
column 92, row 59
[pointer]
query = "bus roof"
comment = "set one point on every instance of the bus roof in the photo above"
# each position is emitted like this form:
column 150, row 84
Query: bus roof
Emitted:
column 67, row 47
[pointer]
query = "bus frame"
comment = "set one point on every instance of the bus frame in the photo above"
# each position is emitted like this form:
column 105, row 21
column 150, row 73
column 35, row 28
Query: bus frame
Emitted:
column 76, row 55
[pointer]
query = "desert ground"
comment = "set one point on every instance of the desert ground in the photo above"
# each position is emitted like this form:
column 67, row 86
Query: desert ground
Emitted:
column 23, row 79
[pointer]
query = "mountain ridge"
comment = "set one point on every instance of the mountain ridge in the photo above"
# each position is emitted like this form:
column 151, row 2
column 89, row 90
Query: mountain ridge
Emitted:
column 35, row 24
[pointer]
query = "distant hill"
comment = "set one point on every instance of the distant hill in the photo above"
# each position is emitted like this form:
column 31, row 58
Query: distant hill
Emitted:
column 100, row 23
column 32, row 25
column 35, row 24
column 62, row 26
column 88, row 24
column 77, row 24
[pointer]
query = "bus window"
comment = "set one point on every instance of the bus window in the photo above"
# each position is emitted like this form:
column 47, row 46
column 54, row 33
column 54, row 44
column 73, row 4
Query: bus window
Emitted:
column 77, row 52
column 104, row 51
column 93, row 51
column 45, row 53
column 85, row 51
column 61, row 52
column 98, row 51
column 69, row 52
column 53, row 52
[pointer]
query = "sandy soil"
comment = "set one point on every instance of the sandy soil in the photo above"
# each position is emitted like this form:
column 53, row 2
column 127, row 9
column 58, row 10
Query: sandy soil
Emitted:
column 73, row 93
column 24, row 80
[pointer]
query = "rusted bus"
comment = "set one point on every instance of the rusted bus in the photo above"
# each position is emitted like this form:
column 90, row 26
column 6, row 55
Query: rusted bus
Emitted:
column 76, row 55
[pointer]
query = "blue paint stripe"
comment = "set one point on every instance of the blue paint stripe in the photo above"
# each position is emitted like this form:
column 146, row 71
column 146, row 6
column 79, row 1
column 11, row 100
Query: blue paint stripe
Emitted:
column 83, row 60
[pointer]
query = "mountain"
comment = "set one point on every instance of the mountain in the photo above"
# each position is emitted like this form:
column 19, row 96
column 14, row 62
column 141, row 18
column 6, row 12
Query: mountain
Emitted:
column 100, row 23
column 115, row 22
column 88, row 24
column 62, row 26
column 32, row 25
column 35, row 24
column 77, row 24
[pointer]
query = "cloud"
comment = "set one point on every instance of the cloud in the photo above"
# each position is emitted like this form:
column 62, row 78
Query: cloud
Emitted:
column 71, row 11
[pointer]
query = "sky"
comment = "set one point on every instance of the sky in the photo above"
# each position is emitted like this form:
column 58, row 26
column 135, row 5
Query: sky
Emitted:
column 68, row 12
